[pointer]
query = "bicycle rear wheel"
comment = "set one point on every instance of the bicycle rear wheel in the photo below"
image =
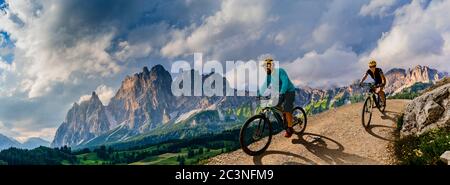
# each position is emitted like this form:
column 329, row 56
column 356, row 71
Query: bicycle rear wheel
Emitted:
column 299, row 120
column 255, row 135
column 367, row 112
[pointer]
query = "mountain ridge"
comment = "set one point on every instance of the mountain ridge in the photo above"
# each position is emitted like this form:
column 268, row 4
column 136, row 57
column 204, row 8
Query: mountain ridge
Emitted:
column 30, row 143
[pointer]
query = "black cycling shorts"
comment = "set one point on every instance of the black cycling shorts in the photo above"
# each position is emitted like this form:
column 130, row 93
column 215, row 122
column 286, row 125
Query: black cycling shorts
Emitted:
column 287, row 101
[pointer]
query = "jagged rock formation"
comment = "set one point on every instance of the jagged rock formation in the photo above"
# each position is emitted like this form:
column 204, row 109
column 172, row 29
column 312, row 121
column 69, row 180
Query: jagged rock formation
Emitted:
column 398, row 79
column 84, row 121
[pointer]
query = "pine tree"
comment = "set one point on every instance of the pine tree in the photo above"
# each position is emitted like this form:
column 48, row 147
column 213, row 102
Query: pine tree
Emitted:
column 182, row 160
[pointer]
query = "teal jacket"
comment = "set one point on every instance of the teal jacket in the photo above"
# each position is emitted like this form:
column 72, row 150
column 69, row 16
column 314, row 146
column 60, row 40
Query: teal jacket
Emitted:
column 285, row 83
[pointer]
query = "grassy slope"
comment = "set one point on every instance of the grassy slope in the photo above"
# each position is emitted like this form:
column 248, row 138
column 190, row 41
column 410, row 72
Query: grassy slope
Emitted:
column 168, row 152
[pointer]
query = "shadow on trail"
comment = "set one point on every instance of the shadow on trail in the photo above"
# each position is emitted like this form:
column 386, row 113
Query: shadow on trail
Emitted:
column 329, row 154
column 370, row 129
column 258, row 159
column 390, row 115
column 374, row 129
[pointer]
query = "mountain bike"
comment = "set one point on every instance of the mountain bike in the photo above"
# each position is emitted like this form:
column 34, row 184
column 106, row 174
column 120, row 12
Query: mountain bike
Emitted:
column 256, row 133
column 372, row 98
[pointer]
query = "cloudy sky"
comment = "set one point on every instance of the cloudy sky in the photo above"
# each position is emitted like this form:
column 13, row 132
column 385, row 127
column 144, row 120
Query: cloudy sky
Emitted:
column 54, row 53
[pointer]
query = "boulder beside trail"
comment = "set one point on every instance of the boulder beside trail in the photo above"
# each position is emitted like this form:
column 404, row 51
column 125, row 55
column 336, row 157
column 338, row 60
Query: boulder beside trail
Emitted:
column 445, row 157
column 428, row 111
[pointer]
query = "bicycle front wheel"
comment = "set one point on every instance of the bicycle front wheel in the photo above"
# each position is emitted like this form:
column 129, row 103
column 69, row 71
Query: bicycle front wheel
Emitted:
column 256, row 135
column 367, row 112
column 299, row 120
column 382, row 108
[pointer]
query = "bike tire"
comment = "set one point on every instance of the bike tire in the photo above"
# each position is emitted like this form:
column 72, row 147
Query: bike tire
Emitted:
column 367, row 105
column 243, row 132
column 305, row 120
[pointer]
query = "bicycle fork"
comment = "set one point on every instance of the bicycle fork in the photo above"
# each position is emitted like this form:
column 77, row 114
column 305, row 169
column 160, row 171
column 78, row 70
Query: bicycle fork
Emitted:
column 376, row 99
column 259, row 131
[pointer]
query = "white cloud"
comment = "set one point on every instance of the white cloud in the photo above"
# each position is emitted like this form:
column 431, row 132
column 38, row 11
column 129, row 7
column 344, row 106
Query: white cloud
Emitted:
column 337, row 66
column 6, row 70
column 127, row 51
column 420, row 35
column 44, row 133
column 323, row 33
column 83, row 98
column 245, row 76
column 2, row 40
column 22, row 134
column 6, row 66
column 377, row 8
column 4, row 130
column 237, row 23
column 45, row 53
column 104, row 93
column 143, row 42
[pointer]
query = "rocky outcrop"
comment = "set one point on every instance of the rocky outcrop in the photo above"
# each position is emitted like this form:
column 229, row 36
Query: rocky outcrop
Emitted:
column 429, row 111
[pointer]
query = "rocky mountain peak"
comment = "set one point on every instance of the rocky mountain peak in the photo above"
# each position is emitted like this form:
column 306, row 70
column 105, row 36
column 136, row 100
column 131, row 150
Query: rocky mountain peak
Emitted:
column 145, row 70
column 422, row 74
column 396, row 71
column 141, row 100
column 157, row 69
column 83, row 122
column 398, row 79
column 160, row 77
column 94, row 97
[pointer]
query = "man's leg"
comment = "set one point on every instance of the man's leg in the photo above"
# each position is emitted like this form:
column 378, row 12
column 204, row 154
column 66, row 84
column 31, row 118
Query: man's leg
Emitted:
column 288, row 117
column 289, row 130
column 288, row 106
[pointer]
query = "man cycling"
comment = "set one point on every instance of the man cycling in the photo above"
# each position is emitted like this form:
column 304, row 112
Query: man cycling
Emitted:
column 379, row 78
column 286, row 92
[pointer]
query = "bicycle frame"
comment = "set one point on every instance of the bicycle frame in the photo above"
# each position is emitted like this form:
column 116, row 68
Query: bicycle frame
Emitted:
column 277, row 113
column 374, row 97
column 269, row 109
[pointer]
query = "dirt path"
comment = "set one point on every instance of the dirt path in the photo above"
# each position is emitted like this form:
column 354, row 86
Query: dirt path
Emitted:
column 343, row 140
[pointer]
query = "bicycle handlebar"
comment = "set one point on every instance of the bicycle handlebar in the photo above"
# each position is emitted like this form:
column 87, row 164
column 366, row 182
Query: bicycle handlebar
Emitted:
column 370, row 85
column 263, row 98
column 366, row 84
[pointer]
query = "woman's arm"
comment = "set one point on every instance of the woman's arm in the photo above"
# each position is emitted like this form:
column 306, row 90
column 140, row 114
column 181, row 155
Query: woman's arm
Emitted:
column 363, row 79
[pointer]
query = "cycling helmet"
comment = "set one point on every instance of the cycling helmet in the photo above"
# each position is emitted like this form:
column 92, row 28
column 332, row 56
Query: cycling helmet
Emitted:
column 268, row 60
column 372, row 63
